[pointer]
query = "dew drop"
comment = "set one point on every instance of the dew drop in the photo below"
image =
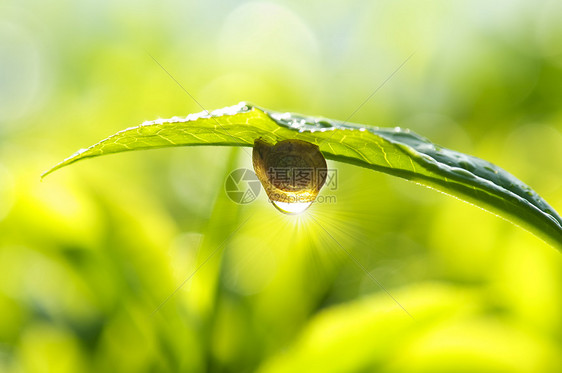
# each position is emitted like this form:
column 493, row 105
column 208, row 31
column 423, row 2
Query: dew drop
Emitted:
column 289, row 194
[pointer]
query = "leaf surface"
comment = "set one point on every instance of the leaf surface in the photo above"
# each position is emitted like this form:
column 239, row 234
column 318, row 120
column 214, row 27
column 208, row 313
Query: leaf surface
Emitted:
column 395, row 151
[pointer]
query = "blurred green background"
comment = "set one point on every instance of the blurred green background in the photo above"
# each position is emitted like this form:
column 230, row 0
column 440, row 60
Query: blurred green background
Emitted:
column 89, row 254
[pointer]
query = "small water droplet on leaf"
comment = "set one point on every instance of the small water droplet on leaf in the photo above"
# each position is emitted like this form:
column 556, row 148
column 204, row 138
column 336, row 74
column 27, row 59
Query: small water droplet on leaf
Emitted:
column 292, row 173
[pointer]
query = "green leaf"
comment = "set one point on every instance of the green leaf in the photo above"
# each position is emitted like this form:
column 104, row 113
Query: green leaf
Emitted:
column 451, row 333
column 395, row 151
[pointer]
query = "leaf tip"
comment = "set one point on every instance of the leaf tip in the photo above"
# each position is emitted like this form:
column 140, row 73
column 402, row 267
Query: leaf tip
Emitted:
column 47, row 172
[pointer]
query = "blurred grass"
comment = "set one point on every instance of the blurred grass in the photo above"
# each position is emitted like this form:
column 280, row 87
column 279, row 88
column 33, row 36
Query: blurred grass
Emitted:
column 88, row 255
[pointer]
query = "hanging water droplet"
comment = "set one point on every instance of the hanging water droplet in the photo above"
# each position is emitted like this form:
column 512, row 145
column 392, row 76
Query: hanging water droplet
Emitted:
column 292, row 173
